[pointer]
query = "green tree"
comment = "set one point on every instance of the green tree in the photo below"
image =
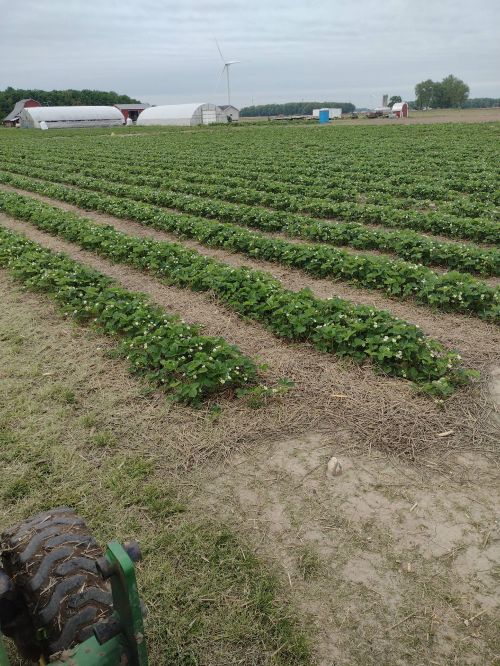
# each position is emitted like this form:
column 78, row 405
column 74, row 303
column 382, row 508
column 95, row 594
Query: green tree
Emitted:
column 394, row 99
column 481, row 103
column 454, row 92
column 424, row 93
column 10, row 96
column 293, row 108
column 449, row 93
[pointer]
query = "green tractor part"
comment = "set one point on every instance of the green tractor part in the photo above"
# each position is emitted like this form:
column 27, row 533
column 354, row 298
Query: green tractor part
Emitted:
column 65, row 603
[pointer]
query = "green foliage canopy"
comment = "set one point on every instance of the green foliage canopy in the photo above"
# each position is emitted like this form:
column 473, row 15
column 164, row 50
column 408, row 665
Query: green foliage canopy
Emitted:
column 394, row 100
column 449, row 93
column 10, row 96
column 294, row 108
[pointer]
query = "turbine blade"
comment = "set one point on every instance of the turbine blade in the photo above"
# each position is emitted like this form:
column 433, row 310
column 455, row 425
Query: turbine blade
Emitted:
column 220, row 52
column 219, row 79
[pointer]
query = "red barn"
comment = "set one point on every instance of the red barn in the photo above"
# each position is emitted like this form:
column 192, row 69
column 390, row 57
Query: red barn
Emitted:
column 131, row 111
column 12, row 120
column 400, row 109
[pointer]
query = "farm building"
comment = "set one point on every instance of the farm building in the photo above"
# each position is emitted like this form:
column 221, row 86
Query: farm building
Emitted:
column 400, row 109
column 383, row 111
column 332, row 113
column 230, row 111
column 131, row 111
column 56, row 117
column 199, row 113
column 13, row 118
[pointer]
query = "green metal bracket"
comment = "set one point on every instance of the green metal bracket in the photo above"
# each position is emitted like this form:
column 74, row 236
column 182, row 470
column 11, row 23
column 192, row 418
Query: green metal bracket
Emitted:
column 128, row 646
column 4, row 659
column 127, row 603
column 91, row 653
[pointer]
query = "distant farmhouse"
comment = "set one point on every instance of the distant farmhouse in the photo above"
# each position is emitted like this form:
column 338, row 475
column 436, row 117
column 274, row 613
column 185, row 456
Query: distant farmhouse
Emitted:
column 400, row 109
column 230, row 111
column 131, row 111
column 12, row 120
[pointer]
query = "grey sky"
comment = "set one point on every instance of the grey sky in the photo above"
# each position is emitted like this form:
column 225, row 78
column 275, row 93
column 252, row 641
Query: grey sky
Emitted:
column 162, row 51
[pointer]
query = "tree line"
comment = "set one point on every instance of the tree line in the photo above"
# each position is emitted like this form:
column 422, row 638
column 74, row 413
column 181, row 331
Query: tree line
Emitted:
column 293, row 108
column 10, row 96
column 481, row 102
column 449, row 93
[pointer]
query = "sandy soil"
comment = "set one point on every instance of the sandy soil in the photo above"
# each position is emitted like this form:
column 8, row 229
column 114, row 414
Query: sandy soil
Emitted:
column 391, row 564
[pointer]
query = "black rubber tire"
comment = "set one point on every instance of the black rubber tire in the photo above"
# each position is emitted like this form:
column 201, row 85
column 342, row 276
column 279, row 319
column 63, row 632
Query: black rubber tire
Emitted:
column 51, row 560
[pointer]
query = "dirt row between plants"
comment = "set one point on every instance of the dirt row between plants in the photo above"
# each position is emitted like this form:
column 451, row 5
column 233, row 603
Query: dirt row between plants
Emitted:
column 330, row 394
column 331, row 220
column 388, row 562
column 476, row 340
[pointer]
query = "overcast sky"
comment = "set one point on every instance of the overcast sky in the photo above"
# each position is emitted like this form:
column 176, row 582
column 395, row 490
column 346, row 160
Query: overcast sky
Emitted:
column 162, row 51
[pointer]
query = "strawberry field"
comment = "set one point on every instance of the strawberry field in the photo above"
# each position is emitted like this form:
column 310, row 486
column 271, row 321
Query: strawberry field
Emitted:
column 410, row 213
column 197, row 323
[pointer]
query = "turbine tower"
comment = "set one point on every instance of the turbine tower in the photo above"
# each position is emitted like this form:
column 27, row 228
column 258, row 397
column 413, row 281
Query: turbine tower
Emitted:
column 227, row 65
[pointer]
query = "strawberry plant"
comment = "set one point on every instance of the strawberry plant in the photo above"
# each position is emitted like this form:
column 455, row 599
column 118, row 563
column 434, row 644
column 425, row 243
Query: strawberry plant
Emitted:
column 451, row 291
column 162, row 348
column 334, row 326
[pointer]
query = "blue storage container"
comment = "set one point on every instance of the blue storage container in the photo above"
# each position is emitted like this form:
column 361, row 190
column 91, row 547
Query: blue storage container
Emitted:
column 324, row 115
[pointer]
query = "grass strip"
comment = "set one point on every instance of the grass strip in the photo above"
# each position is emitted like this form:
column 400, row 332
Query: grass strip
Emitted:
column 334, row 325
column 160, row 347
column 210, row 600
column 452, row 291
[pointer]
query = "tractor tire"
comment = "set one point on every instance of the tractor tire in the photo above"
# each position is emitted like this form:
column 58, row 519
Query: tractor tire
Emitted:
column 51, row 560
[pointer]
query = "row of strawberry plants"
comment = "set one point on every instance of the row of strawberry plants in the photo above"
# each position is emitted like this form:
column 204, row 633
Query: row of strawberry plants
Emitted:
column 355, row 164
column 336, row 204
column 161, row 347
column 407, row 244
column 336, row 326
column 481, row 230
column 369, row 164
column 291, row 194
column 451, row 291
column 276, row 193
column 242, row 191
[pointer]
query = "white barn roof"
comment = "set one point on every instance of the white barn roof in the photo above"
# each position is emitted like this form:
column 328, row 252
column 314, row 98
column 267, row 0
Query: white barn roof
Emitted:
column 196, row 113
column 398, row 106
column 131, row 107
column 16, row 111
column 71, row 116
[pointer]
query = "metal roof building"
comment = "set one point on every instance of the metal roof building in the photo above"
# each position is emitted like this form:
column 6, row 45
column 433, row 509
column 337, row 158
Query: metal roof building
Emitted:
column 197, row 113
column 230, row 111
column 13, row 117
column 58, row 117
column 132, row 111
column 400, row 109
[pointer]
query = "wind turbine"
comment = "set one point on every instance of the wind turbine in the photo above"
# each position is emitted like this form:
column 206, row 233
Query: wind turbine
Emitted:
column 227, row 65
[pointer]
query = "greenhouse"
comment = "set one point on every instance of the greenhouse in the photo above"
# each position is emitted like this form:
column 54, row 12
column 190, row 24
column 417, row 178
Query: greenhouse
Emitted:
column 50, row 117
column 199, row 113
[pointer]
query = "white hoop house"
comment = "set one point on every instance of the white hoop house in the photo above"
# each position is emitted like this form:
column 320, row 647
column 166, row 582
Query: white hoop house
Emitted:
column 199, row 113
column 71, row 116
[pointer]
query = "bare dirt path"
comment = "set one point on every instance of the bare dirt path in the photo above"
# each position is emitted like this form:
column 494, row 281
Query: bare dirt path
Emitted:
column 391, row 564
column 477, row 341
